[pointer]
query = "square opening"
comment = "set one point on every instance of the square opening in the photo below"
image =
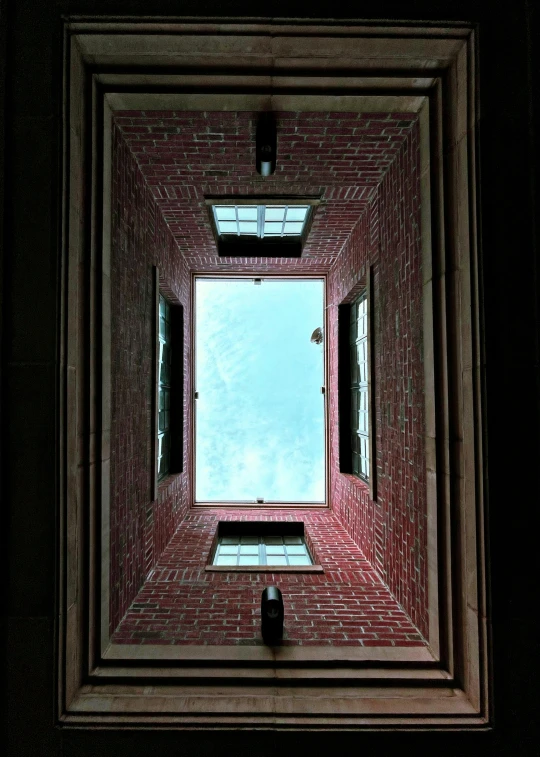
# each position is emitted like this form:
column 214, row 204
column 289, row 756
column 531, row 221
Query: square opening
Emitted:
column 260, row 412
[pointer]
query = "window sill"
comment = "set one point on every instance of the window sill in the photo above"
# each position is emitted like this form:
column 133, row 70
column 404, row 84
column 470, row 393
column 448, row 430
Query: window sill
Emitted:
column 264, row 568
column 165, row 482
column 360, row 484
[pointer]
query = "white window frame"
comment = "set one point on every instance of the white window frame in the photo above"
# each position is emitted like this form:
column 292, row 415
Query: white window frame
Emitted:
column 262, row 542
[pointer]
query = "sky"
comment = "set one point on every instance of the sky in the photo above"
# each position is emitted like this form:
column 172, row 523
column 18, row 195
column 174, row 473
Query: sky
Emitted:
column 260, row 410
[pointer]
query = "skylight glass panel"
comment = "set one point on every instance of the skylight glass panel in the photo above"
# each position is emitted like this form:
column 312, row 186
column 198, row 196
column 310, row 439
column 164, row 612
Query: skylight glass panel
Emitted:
column 259, row 413
column 261, row 220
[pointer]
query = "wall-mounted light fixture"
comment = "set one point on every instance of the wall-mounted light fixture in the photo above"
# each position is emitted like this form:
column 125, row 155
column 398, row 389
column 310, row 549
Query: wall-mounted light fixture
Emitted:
column 266, row 144
column 272, row 613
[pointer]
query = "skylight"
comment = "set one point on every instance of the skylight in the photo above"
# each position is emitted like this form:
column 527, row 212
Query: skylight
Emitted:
column 259, row 412
column 261, row 221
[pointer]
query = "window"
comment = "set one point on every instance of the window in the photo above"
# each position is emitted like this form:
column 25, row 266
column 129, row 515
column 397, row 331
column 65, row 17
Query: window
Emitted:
column 164, row 389
column 169, row 384
column 282, row 551
column 261, row 227
column 355, row 411
column 261, row 221
column 359, row 423
column 262, row 546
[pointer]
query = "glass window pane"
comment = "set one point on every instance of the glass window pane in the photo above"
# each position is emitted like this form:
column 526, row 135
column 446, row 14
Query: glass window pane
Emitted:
column 164, row 376
column 297, row 213
column 249, row 549
column 247, row 227
column 273, row 540
column 163, row 456
column 247, row 212
column 228, row 549
column 296, row 549
column 276, row 560
column 274, row 213
column 292, row 539
column 354, row 365
column 299, row 560
column 248, row 560
column 293, row 228
column 362, row 375
column 225, row 213
column 229, row 540
column 354, row 410
column 227, row 227
column 275, row 549
column 249, row 540
column 225, row 560
column 272, row 228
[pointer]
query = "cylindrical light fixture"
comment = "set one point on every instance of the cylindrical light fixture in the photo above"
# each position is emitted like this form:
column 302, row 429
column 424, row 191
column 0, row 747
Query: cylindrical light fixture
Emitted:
column 272, row 613
column 266, row 144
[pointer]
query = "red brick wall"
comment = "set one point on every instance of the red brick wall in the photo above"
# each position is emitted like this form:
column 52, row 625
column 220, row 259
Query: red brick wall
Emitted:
column 140, row 528
column 185, row 155
column 392, row 531
column 348, row 604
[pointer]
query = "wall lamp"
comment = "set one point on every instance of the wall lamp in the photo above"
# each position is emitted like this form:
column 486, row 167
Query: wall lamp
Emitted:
column 266, row 144
column 272, row 613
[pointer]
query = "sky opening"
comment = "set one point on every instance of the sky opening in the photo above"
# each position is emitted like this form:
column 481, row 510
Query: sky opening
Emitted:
column 260, row 410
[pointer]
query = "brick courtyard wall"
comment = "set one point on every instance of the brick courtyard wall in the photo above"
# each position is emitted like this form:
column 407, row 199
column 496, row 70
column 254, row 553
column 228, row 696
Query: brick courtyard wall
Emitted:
column 369, row 185
column 182, row 603
column 391, row 531
column 140, row 527
column 340, row 157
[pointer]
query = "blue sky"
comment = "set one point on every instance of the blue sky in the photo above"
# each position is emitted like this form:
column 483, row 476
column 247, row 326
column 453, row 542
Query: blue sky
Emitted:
column 260, row 412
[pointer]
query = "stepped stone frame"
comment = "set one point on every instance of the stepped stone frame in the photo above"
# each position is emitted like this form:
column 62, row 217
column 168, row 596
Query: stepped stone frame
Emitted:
column 296, row 65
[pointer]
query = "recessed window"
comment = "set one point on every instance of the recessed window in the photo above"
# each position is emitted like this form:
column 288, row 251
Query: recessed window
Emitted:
column 164, row 389
column 263, row 228
column 355, row 423
column 261, row 220
column 169, row 384
column 280, row 551
column 259, row 381
column 359, row 418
